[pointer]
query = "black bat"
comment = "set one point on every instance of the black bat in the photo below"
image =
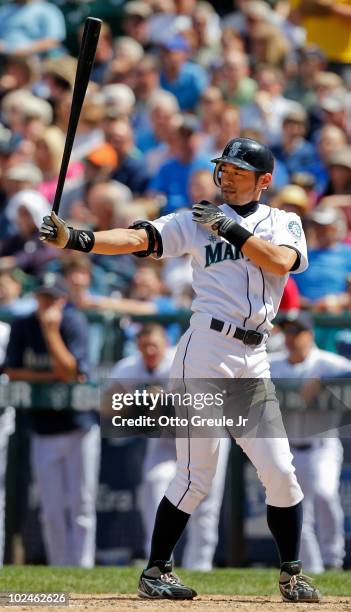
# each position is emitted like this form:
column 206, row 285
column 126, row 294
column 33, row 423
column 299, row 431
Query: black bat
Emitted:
column 86, row 56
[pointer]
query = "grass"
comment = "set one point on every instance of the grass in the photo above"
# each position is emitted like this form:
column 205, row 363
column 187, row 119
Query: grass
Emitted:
column 124, row 580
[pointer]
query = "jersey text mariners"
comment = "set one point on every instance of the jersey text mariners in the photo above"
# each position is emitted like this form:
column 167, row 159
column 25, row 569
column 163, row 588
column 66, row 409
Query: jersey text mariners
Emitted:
column 227, row 284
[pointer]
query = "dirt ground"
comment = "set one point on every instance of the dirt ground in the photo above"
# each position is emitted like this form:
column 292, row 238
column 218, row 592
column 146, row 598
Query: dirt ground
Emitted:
column 208, row 603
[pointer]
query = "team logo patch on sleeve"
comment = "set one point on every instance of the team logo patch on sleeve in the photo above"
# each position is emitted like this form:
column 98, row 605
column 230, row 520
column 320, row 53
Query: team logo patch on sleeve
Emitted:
column 294, row 228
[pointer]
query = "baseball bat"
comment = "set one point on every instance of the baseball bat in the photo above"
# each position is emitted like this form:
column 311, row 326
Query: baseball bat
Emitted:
column 86, row 56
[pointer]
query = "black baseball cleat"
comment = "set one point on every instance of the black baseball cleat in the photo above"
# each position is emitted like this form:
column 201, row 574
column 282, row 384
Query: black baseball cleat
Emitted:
column 295, row 587
column 161, row 583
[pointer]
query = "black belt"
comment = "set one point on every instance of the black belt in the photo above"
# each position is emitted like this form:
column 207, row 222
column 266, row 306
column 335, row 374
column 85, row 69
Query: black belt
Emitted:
column 247, row 336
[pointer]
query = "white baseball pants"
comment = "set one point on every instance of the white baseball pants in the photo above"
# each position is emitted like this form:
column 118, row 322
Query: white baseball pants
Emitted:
column 66, row 470
column 205, row 353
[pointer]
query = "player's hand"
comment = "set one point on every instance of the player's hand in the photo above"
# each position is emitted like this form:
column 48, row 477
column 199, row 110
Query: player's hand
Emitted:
column 208, row 215
column 54, row 230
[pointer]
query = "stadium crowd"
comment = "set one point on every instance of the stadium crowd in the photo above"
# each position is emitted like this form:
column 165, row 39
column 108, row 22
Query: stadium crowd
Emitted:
column 167, row 91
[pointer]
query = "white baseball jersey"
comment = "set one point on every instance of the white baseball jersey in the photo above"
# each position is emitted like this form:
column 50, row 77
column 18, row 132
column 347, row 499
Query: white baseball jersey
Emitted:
column 318, row 364
column 226, row 283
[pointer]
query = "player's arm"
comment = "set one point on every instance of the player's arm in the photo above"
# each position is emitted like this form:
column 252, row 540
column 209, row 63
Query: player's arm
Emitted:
column 56, row 232
column 270, row 257
column 276, row 259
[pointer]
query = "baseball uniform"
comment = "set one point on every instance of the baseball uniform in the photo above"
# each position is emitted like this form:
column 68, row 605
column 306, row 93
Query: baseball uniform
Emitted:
column 318, row 465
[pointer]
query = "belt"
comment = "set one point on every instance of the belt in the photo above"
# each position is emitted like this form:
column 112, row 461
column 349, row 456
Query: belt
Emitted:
column 247, row 336
column 302, row 447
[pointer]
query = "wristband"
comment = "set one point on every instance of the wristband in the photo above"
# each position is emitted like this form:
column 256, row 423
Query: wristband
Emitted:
column 80, row 240
column 234, row 233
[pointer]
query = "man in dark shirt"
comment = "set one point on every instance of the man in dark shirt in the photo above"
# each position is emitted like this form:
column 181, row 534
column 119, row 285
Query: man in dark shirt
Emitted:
column 51, row 346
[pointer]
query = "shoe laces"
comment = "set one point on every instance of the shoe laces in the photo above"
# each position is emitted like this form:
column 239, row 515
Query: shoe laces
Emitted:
column 300, row 580
column 170, row 578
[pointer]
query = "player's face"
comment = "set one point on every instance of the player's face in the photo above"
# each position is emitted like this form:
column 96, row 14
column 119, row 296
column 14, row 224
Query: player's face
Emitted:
column 241, row 186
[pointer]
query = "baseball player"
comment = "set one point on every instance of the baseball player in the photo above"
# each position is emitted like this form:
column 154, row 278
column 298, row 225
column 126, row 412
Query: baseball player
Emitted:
column 242, row 252
column 152, row 365
column 318, row 461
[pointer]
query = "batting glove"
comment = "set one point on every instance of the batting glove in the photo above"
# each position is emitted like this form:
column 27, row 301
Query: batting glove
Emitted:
column 209, row 215
column 55, row 231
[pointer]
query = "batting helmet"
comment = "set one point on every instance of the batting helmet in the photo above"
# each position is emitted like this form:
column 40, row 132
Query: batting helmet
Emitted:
column 247, row 154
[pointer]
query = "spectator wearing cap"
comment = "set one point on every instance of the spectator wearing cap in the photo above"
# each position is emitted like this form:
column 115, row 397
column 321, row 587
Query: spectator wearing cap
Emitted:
column 131, row 169
column 185, row 79
column 324, row 281
column 98, row 165
column 31, row 27
column 294, row 151
column 135, row 21
column 51, row 346
column 58, row 76
column 48, row 155
column 292, row 198
column 327, row 24
column 118, row 100
column 172, row 179
column 23, row 249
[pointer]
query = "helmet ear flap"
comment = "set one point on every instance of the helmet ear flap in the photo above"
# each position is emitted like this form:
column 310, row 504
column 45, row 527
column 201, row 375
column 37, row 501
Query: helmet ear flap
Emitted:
column 217, row 174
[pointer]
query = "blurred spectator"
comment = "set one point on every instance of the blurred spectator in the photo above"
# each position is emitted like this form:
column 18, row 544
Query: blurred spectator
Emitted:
column 324, row 281
column 50, row 346
column 205, row 34
column 146, row 83
column 228, row 126
column 16, row 178
column 131, row 169
column 135, row 21
column 11, row 302
column 103, row 55
column 58, row 78
column 235, row 83
column 209, row 110
column 98, row 166
column 17, row 73
column 310, row 61
column 172, row 180
column 48, row 155
column 23, row 249
column 270, row 106
column 162, row 106
column 127, row 53
column 31, row 27
column 317, row 460
column 185, row 79
column 339, row 169
column 268, row 45
column 292, row 198
column 293, row 150
column 331, row 139
column 327, row 24
column 108, row 203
